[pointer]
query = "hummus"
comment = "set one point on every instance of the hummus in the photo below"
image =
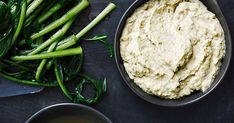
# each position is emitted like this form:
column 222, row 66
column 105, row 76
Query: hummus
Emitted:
column 171, row 48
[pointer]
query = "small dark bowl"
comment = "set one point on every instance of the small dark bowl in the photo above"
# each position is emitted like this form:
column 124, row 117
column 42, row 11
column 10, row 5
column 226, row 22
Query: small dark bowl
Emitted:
column 68, row 111
column 213, row 6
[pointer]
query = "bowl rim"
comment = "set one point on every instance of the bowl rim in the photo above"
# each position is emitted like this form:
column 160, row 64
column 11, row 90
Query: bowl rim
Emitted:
column 38, row 113
column 122, row 72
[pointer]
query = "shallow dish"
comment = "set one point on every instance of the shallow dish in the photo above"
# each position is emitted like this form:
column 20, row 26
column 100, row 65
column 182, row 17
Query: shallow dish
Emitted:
column 213, row 6
column 68, row 113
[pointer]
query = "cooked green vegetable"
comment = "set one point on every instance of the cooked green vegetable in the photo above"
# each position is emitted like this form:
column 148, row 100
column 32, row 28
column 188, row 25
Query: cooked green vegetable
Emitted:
column 70, row 14
column 93, row 23
column 21, row 21
column 33, row 6
column 15, row 7
column 68, row 42
column 106, row 44
column 59, row 34
column 43, row 62
column 77, row 97
column 29, row 1
column 34, row 51
column 55, row 54
column 101, row 16
column 6, row 18
column 6, row 28
column 48, row 13
column 32, row 82
column 99, row 85
column 59, row 76
column 34, row 15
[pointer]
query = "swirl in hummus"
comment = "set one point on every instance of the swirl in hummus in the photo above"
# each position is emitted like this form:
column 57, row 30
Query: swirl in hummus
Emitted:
column 171, row 48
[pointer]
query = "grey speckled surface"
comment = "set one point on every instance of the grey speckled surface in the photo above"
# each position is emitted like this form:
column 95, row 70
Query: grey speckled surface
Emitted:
column 120, row 104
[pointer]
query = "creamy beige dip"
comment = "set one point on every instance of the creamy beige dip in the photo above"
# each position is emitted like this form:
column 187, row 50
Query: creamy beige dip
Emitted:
column 172, row 48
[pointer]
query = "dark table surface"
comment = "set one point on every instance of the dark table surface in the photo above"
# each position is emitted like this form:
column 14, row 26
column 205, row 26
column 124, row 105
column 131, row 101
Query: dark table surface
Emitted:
column 120, row 104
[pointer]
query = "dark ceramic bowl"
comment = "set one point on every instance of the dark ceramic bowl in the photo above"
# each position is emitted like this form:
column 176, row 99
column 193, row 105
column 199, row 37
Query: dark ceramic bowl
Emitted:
column 68, row 112
column 213, row 6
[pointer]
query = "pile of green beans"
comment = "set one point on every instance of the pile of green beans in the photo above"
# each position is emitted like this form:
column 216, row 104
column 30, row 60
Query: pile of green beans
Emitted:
column 43, row 54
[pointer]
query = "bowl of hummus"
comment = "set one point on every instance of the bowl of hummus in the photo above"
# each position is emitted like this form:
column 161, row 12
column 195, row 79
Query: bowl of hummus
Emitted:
column 173, row 52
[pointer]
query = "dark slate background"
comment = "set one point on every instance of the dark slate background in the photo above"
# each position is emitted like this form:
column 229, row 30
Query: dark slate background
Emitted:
column 120, row 104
